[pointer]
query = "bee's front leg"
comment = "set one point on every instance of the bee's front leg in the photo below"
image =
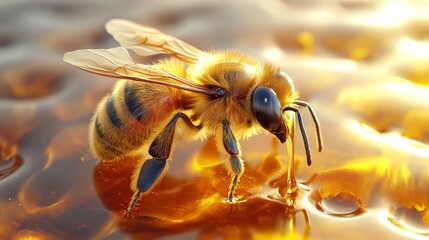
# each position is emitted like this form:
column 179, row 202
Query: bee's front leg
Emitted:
column 236, row 166
column 160, row 150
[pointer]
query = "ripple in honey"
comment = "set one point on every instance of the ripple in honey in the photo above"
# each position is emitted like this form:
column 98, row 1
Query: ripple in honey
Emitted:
column 10, row 161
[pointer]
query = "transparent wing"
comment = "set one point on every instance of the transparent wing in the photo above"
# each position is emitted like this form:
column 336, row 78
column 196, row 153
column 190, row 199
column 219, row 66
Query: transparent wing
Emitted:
column 117, row 63
column 147, row 41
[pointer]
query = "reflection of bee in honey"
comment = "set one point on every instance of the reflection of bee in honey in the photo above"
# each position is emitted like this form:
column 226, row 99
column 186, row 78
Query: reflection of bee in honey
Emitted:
column 220, row 93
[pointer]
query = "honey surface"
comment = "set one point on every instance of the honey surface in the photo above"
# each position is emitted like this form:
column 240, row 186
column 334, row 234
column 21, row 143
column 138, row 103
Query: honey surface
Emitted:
column 363, row 65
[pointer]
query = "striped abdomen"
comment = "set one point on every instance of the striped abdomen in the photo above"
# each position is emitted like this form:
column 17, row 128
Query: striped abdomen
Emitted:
column 127, row 119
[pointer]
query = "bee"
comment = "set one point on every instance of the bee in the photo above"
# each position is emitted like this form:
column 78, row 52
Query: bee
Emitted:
column 189, row 96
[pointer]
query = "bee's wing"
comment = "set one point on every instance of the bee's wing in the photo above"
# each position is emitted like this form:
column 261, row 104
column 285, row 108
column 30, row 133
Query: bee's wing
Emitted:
column 147, row 41
column 117, row 63
column 100, row 61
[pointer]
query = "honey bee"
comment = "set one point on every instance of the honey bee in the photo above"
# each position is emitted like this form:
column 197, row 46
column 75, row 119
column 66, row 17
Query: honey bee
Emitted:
column 193, row 95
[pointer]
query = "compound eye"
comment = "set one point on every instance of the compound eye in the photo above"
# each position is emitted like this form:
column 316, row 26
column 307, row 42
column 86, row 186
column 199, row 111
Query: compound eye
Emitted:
column 266, row 108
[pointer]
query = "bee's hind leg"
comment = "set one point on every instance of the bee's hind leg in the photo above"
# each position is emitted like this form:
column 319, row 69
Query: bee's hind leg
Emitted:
column 160, row 150
column 236, row 166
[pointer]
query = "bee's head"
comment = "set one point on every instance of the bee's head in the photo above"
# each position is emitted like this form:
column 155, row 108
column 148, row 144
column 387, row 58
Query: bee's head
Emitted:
column 267, row 111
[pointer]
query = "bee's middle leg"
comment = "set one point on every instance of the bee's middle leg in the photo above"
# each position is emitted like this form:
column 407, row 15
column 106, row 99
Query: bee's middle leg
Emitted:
column 160, row 150
column 236, row 167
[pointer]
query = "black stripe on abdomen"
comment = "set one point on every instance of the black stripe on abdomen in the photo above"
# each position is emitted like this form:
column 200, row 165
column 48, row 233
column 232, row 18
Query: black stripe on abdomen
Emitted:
column 111, row 111
column 132, row 102
column 103, row 140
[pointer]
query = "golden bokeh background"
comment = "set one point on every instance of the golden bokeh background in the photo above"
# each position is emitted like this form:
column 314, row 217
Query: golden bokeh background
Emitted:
column 363, row 65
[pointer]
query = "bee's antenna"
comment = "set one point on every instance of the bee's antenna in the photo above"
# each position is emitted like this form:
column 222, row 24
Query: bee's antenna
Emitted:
column 315, row 120
column 303, row 133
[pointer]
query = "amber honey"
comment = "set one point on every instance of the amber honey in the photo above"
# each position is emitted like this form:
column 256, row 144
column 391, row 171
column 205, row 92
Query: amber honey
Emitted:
column 363, row 65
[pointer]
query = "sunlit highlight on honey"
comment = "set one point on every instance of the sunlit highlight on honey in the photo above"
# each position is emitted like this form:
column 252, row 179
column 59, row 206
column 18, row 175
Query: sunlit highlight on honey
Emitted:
column 408, row 89
column 414, row 48
column 392, row 13
column 362, row 65
column 393, row 140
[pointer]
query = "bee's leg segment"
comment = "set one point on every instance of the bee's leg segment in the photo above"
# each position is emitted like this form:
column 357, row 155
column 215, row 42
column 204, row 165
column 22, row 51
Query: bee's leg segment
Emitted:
column 236, row 162
column 160, row 150
column 150, row 172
